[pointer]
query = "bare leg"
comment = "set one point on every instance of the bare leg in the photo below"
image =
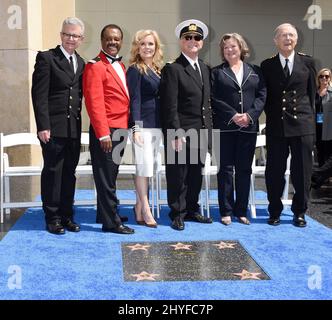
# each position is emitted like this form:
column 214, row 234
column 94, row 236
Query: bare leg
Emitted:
column 142, row 184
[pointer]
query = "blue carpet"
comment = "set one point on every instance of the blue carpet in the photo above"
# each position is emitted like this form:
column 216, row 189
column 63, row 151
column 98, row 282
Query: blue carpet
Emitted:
column 88, row 265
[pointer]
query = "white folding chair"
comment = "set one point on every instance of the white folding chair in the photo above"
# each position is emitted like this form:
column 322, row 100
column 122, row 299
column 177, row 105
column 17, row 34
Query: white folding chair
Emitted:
column 7, row 171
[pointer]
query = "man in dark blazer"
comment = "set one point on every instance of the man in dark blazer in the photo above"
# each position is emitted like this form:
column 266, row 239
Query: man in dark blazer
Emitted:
column 290, row 123
column 57, row 100
column 185, row 106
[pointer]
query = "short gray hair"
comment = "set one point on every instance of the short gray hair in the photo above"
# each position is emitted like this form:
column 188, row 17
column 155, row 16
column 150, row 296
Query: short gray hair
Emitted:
column 283, row 25
column 74, row 21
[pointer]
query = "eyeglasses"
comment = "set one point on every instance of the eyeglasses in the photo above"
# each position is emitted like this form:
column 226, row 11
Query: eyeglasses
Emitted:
column 74, row 36
column 324, row 76
column 197, row 38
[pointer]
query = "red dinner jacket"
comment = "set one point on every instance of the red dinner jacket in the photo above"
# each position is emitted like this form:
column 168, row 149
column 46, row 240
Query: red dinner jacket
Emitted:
column 106, row 98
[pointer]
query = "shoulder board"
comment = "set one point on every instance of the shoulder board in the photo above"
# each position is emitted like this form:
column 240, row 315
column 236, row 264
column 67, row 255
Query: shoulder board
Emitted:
column 170, row 62
column 273, row 56
column 303, row 54
column 94, row 60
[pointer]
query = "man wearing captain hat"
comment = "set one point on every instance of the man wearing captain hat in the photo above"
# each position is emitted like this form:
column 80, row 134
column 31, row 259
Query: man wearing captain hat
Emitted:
column 185, row 104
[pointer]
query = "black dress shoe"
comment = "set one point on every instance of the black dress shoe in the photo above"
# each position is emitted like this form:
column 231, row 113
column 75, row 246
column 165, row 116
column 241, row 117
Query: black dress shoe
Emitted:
column 122, row 229
column 197, row 217
column 55, row 228
column 71, row 226
column 299, row 222
column 273, row 221
column 177, row 223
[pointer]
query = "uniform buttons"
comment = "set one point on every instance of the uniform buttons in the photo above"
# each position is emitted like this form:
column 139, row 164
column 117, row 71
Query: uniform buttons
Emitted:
column 203, row 109
column 68, row 116
column 283, row 100
column 71, row 88
column 203, row 117
column 282, row 118
column 294, row 91
column 70, row 107
column 294, row 100
column 79, row 109
column 294, row 109
column 240, row 91
column 284, row 109
column 209, row 100
column 284, row 92
column 295, row 117
column 78, row 118
column 240, row 102
column 203, row 127
column 71, row 98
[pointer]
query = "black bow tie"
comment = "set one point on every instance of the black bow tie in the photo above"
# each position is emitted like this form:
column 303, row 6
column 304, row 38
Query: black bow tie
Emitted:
column 112, row 58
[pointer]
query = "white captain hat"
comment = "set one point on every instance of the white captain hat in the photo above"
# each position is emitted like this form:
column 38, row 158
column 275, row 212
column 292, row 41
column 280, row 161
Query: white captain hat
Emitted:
column 191, row 26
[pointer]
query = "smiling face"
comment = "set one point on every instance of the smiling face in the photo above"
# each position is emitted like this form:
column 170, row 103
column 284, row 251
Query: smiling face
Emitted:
column 111, row 41
column 147, row 48
column 232, row 51
column 285, row 39
column 71, row 37
column 191, row 44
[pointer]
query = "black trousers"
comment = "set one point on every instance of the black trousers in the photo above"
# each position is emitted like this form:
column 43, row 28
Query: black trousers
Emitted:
column 184, row 181
column 323, row 148
column 105, row 167
column 61, row 156
column 236, row 152
column 278, row 149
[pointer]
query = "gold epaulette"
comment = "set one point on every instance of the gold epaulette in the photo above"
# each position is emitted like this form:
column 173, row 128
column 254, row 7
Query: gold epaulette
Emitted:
column 94, row 60
column 303, row 54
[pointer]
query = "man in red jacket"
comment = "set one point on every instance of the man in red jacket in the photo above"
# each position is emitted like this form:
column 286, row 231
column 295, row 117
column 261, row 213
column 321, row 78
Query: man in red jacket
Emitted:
column 107, row 102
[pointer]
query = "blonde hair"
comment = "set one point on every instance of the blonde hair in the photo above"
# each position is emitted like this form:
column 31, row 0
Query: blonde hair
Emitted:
column 240, row 41
column 136, row 59
column 320, row 72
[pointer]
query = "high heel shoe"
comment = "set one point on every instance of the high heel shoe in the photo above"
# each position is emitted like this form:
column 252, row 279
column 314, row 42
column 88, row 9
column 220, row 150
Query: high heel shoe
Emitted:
column 243, row 220
column 149, row 225
column 140, row 222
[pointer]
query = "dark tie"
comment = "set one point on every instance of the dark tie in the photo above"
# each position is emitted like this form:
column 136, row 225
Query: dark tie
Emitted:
column 71, row 63
column 197, row 71
column 115, row 59
column 286, row 69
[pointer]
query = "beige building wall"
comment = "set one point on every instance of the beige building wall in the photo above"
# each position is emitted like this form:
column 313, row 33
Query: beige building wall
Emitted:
column 255, row 20
column 26, row 26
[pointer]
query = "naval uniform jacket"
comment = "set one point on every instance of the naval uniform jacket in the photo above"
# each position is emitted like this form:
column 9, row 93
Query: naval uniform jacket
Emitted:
column 229, row 97
column 57, row 94
column 184, row 100
column 290, row 105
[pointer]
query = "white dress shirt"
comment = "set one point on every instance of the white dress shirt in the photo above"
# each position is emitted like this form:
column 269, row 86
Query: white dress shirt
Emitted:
column 290, row 61
column 67, row 55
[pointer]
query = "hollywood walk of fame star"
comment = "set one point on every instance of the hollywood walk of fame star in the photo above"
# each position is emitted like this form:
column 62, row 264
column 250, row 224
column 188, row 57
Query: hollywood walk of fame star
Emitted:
column 181, row 246
column 248, row 275
column 138, row 246
column 224, row 245
column 145, row 276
